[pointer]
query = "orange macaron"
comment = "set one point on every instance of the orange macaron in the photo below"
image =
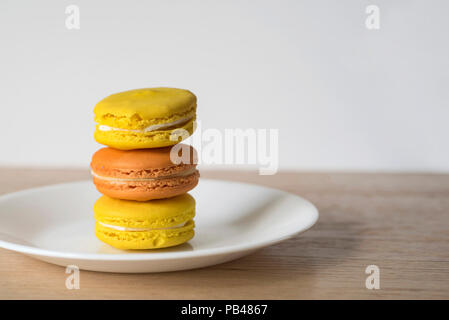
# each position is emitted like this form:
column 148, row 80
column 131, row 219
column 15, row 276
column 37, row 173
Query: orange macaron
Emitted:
column 145, row 174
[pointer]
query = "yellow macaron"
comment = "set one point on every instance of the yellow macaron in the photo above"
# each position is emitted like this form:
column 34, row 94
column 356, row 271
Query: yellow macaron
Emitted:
column 126, row 224
column 145, row 118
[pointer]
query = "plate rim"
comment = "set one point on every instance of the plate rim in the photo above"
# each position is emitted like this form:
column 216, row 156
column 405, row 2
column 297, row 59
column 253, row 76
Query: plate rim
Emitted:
column 149, row 256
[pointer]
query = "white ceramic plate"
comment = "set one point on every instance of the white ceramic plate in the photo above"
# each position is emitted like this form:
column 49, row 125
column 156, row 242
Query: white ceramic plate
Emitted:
column 56, row 224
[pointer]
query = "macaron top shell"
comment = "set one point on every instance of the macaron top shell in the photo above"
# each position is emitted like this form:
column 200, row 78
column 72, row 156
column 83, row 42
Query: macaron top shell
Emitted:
column 142, row 158
column 140, row 108
column 161, row 213
column 140, row 163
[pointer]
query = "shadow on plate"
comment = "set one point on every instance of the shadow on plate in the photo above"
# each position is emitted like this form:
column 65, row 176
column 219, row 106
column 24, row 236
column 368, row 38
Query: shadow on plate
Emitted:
column 110, row 250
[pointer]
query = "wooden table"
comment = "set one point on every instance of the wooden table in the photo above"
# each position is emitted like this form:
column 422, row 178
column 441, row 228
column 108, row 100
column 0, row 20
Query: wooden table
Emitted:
column 399, row 222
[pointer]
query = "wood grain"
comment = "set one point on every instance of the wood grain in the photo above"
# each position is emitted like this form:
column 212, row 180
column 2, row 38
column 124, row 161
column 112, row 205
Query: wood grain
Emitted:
column 399, row 222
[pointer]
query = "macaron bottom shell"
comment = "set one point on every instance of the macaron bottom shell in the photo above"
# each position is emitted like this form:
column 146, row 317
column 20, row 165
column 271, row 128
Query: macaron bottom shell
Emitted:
column 128, row 140
column 140, row 240
column 147, row 190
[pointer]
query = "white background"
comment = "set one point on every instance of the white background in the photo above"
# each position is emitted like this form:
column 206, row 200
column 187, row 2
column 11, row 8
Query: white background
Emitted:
column 342, row 96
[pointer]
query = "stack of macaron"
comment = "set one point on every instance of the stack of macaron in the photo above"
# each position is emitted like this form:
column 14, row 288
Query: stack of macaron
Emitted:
column 144, row 172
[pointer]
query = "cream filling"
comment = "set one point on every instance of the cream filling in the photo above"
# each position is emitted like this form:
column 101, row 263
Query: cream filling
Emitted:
column 140, row 229
column 176, row 175
column 153, row 127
